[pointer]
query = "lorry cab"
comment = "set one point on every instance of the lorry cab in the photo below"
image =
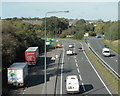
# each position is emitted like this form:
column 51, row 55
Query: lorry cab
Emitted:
column 72, row 84
column 106, row 51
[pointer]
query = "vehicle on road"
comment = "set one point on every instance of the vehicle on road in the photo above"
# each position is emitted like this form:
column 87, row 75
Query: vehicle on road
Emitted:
column 59, row 45
column 17, row 74
column 69, row 52
column 106, row 51
column 80, row 49
column 70, row 45
column 31, row 55
column 99, row 35
column 53, row 58
column 72, row 84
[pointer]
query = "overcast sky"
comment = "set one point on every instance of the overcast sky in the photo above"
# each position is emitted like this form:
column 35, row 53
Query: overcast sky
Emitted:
column 78, row 10
column 60, row 0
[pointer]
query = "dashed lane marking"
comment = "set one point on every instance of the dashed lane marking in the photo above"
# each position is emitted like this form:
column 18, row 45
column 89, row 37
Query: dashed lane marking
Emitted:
column 76, row 65
column 74, row 56
column 83, row 87
column 80, row 77
column 78, row 70
column 75, row 60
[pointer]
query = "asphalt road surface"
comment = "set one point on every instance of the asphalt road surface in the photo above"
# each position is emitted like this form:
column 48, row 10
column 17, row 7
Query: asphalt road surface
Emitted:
column 112, row 60
column 91, row 82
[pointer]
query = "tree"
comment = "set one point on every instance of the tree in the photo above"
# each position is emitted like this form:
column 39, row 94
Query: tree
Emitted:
column 100, row 28
column 81, row 25
column 79, row 35
column 112, row 31
column 55, row 25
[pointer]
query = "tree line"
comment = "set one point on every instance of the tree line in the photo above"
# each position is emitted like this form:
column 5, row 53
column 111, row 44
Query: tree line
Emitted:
column 109, row 29
column 18, row 35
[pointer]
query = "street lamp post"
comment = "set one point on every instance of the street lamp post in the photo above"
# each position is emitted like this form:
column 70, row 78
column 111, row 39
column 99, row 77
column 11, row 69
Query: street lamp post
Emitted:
column 45, row 54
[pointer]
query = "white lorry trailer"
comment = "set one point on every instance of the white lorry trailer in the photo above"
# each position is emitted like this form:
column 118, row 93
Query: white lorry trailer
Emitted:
column 17, row 73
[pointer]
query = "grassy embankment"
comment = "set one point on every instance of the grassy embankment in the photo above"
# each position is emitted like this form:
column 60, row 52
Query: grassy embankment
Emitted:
column 105, row 73
column 114, row 45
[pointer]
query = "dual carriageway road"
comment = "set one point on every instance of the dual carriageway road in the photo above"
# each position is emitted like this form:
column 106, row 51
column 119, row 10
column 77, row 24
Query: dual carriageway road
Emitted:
column 91, row 82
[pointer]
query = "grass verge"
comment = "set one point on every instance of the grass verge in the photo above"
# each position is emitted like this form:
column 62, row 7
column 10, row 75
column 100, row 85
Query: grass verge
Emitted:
column 112, row 45
column 106, row 74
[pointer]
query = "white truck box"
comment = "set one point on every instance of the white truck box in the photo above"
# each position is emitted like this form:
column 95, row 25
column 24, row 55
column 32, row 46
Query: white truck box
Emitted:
column 69, row 52
column 17, row 73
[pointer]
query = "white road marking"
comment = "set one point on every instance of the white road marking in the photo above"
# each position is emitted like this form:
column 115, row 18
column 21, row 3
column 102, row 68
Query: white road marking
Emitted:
column 116, row 60
column 82, row 57
column 74, row 56
column 78, row 70
column 75, row 60
column 62, row 71
column 80, row 77
column 76, row 65
column 97, row 74
column 83, row 86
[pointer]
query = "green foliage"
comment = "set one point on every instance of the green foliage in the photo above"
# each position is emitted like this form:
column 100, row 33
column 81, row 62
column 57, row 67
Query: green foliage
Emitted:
column 111, row 32
column 17, row 36
column 90, row 27
column 81, row 25
column 54, row 25
column 79, row 35
column 70, row 31
column 92, row 33
column 100, row 28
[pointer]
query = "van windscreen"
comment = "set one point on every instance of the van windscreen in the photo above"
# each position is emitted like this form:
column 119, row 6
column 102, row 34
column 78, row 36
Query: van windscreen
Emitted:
column 106, row 51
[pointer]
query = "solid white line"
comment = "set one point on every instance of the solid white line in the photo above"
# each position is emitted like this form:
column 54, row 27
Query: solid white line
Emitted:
column 83, row 86
column 78, row 70
column 80, row 77
column 110, row 68
column 62, row 71
column 97, row 74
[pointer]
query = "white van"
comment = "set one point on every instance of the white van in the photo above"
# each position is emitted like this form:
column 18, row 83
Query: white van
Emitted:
column 70, row 45
column 106, row 52
column 72, row 84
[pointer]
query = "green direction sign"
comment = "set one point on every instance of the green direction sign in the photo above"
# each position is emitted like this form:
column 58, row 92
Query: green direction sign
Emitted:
column 49, row 41
column 12, row 74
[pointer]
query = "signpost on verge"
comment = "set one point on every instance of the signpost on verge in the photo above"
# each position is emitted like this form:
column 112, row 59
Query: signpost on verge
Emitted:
column 45, row 54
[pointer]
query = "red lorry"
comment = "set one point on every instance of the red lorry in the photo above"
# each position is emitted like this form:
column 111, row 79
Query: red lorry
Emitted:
column 31, row 55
